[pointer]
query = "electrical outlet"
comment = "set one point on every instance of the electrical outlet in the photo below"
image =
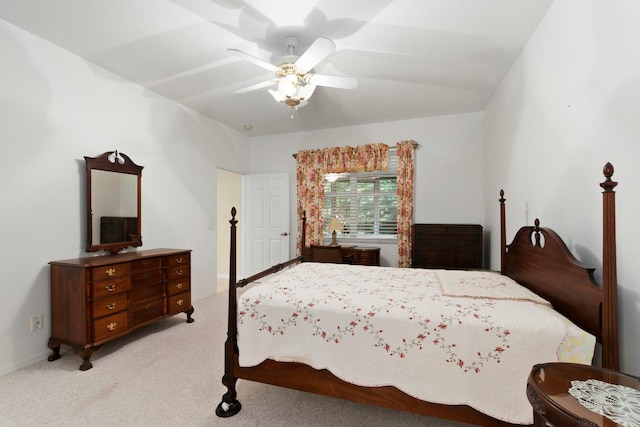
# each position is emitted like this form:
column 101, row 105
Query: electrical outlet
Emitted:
column 36, row 322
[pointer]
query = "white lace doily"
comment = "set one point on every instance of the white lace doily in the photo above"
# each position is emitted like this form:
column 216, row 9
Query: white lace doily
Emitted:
column 618, row 403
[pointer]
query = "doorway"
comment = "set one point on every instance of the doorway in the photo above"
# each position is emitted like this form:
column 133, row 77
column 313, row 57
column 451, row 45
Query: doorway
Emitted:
column 229, row 194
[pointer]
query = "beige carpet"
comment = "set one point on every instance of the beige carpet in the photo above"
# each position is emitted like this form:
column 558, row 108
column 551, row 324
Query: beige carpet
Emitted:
column 169, row 374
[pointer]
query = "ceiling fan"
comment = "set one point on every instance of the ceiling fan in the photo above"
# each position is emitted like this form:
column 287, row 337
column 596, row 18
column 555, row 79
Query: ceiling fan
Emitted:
column 294, row 79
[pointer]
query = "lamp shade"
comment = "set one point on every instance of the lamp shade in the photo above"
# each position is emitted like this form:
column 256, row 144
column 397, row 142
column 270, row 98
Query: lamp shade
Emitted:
column 335, row 225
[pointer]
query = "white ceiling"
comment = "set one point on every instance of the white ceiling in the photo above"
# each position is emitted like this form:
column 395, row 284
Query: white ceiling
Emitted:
column 413, row 58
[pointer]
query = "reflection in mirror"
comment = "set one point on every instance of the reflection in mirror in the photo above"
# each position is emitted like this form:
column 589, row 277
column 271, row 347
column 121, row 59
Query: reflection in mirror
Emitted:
column 113, row 202
column 114, row 207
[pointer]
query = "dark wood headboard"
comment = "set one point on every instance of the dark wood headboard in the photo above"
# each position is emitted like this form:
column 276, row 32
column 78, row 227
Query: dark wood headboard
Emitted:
column 540, row 260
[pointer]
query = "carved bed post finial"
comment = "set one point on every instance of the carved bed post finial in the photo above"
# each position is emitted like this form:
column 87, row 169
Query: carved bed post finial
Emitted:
column 503, row 233
column 608, row 184
column 536, row 231
column 610, row 353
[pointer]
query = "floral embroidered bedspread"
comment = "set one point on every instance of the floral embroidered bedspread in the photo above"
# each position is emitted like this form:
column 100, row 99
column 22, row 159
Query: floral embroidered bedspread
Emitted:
column 452, row 337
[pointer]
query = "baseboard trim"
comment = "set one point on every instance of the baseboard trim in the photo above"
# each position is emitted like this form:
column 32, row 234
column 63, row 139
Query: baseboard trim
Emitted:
column 11, row 367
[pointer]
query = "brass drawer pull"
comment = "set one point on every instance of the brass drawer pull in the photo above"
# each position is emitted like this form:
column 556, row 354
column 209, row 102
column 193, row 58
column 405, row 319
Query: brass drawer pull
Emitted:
column 111, row 306
column 147, row 307
column 179, row 272
column 111, row 272
column 111, row 287
column 178, row 285
column 179, row 260
column 180, row 302
column 112, row 326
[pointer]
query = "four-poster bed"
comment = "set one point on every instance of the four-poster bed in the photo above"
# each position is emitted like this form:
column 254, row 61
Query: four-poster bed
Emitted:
column 537, row 259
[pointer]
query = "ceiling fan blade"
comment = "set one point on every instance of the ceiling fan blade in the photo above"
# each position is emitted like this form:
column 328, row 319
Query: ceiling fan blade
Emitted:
column 257, row 86
column 340, row 82
column 319, row 50
column 254, row 59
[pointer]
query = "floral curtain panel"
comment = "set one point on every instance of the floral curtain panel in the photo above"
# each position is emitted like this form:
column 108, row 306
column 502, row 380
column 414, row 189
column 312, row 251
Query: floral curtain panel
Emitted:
column 309, row 176
column 406, row 171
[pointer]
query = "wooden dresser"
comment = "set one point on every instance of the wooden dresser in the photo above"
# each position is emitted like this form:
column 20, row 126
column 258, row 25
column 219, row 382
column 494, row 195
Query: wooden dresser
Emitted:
column 97, row 299
column 449, row 246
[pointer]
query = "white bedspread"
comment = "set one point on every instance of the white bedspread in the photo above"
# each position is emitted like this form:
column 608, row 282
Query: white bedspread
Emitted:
column 452, row 337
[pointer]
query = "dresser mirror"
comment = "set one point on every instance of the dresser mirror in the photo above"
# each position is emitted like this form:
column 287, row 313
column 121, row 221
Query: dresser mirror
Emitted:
column 113, row 202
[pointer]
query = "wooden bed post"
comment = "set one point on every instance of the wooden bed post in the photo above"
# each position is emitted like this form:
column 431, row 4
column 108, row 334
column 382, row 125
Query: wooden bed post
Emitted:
column 503, row 233
column 230, row 405
column 610, row 351
column 303, row 241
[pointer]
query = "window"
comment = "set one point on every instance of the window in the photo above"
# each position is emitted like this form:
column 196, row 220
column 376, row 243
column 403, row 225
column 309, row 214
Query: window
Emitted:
column 366, row 203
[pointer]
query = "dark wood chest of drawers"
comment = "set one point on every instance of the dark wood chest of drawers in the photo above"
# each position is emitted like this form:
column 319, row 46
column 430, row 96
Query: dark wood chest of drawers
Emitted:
column 97, row 299
column 448, row 246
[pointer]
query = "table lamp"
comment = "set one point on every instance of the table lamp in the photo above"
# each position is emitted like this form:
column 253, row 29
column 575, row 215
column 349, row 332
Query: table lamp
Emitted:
column 334, row 225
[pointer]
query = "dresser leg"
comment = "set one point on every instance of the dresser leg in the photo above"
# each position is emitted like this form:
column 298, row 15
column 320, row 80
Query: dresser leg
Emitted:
column 189, row 312
column 55, row 348
column 85, row 354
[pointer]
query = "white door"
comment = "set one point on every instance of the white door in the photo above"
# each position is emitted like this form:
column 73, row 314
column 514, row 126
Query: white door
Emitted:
column 266, row 221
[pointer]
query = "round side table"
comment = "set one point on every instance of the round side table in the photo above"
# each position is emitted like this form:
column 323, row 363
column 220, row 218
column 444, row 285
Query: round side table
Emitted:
column 548, row 392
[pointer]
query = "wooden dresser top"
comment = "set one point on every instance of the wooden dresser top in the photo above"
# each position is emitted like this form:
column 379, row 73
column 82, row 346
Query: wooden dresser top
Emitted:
column 93, row 261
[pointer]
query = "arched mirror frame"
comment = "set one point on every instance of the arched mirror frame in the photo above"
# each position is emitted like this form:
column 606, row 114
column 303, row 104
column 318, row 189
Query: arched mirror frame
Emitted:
column 104, row 163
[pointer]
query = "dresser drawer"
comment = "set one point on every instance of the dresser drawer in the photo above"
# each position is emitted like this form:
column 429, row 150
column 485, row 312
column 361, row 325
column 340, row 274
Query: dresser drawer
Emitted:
column 366, row 256
column 109, row 305
column 178, row 259
column 177, row 286
column 146, row 265
column 448, row 260
column 177, row 303
column 430, row 230
column 108, row 327
column 109, row 287
column 446, row 231
column 110, row 271
column 141, row 293
column 442, row 245
column 147, row 311
column 179, row 272
column 146, row 278
column 464, row 231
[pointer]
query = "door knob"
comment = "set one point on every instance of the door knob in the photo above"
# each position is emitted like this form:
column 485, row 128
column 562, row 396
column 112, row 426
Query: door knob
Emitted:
column 284, row 234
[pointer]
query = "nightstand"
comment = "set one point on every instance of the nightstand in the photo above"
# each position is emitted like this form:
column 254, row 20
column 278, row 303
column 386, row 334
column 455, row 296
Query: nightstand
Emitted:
column 552, row 386
column 361, row 255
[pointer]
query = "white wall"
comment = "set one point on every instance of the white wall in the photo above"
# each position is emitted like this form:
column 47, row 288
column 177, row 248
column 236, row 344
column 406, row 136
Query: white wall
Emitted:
column 56, row 108
column 449, row 167
column 568, row 106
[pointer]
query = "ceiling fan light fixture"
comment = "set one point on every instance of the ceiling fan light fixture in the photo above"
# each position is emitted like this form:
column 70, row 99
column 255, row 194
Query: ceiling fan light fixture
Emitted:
column 305, row 92
column 288, row 85
column 294, row 77
column 293, row 89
